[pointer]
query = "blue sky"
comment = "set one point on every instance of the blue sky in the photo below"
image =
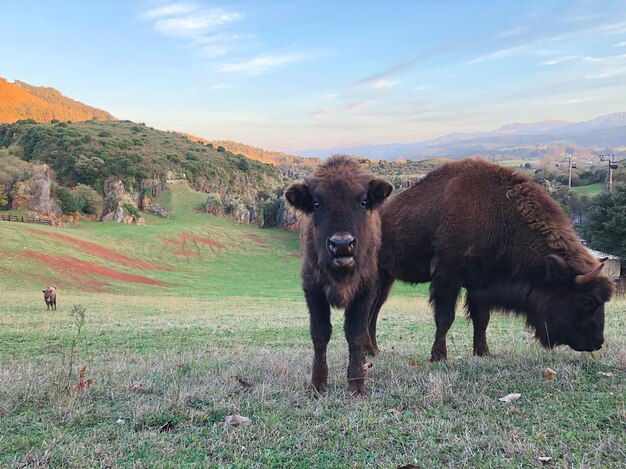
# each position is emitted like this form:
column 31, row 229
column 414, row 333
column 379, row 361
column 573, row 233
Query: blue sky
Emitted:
column 292, row 74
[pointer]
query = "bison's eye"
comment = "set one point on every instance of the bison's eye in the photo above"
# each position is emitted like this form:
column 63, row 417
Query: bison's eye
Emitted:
column 364, row 203
column 588, row 304
column 316, row 204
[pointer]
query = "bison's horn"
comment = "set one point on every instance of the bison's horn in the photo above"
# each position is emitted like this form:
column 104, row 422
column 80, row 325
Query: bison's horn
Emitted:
column 589, row 276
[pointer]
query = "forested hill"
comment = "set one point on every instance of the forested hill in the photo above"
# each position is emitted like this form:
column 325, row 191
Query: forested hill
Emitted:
column 20, row 100
column 91, row 153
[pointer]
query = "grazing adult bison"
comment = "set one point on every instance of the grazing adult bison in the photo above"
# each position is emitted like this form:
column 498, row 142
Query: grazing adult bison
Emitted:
column 50, row 297
column 340, row 239
column 493, row 231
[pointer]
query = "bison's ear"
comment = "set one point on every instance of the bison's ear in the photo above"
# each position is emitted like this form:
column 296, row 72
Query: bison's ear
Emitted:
column 378, row 191
column 556, row 269
column 299, row 195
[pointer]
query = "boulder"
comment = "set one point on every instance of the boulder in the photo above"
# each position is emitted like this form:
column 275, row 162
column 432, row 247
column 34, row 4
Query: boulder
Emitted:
column 34, row 192
column 118, row 206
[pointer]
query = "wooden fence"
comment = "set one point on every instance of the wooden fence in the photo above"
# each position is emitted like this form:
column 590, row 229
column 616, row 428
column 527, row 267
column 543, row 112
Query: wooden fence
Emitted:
column 25, row 219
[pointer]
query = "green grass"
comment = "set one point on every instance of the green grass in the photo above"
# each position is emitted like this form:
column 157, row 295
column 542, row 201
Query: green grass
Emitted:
column 591, row 190
column 250, row 261
column 163, row 361
column 186, row 353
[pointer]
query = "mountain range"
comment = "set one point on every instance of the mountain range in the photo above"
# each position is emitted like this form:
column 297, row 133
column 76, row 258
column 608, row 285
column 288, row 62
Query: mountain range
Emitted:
column 550, row 138
column 19, row 100
column 518, row 140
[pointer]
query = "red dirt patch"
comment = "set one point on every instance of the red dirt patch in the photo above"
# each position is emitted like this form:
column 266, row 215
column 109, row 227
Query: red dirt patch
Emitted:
column 181, row 251
column 75, row 267
column 198, row 239
column 173, row 241
column 99, row 251
column 281, row 237
column 255, row 238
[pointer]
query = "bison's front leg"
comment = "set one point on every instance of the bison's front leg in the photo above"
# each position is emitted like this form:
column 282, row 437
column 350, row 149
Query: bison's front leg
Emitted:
column 321, row 329
column 357, row 335
column 443, row 296
column 382, row 292
column 480, row 313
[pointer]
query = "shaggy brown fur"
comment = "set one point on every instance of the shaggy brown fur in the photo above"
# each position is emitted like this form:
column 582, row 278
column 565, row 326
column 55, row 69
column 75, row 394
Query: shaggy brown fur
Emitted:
column 340, row 241
column 484, row 227
column 50, row 297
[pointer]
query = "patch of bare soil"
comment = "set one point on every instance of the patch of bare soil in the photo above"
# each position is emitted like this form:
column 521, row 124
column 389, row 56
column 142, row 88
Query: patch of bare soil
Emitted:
column 73, row 267
column 199, row 239
column 104, row 253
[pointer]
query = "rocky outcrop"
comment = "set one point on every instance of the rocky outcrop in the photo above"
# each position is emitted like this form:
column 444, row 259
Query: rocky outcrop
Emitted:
column 118, row 206
column 34, row 192
column 150, row 189
column 234, row 208
column 271, row 213
column 278, row 214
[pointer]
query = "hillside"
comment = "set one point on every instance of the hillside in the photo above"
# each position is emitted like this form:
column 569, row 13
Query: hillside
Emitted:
column 93, row 153
column 20, row 100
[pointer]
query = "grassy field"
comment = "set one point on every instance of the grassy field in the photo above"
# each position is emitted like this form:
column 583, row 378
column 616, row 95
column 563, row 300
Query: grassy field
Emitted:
column 164, row 379
column 591, row 190
column 165, row 362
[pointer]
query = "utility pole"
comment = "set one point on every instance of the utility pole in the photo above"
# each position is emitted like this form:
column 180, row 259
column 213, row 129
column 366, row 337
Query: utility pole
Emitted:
column 612, row 165
column 571, row 165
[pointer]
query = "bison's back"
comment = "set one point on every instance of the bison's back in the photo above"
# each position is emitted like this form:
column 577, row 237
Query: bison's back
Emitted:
column 474, row 216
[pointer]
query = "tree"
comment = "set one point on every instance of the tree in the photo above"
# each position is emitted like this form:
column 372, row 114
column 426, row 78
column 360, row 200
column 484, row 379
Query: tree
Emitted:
column 578, row 207
column 605, row 228
column 4, row 198
column 92, row 200
column 70, row 202
column 88, row 169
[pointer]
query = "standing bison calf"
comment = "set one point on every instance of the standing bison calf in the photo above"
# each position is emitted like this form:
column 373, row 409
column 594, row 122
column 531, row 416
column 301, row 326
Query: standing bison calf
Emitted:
column 50, row 297
column 340, row 242
column 480, row 226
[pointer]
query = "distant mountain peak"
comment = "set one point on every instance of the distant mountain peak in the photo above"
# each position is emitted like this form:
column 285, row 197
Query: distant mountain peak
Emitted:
column 519, row 139
column 532, row 127
column 19, row 100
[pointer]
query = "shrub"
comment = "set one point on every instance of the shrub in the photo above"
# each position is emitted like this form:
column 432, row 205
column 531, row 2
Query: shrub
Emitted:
column 70, row 202
column 4, row 198
column 92, row 200
column 132, row 210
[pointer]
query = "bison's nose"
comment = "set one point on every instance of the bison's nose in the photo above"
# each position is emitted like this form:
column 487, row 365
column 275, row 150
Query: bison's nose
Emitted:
column 341, row 245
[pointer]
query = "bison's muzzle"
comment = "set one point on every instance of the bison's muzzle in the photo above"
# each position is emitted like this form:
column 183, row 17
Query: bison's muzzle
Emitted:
column 341, row 247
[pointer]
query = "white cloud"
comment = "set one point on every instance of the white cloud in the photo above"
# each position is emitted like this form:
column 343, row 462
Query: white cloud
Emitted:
column 560, row 60
column 497, row 55
column 620, row 44
column 200, row 22
column 580, row 100
column 608, row 72
column 614, row 28
column 217, row 45
column 169, row 10
column 261, row 63
column 382, row 84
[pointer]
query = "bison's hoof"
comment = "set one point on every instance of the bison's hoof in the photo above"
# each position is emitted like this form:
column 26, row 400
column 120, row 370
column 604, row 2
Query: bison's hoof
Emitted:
column 438, row 357
column 373, row 351
column 357, row 389
column 483, row 353
column 319, row 388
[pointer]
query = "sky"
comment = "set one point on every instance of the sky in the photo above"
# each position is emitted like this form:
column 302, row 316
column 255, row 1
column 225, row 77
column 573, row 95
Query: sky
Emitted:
column 289, row 75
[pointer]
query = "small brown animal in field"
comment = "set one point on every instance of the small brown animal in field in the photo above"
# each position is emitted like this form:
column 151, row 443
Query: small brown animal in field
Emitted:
column 340, row 241
column 50, row 297
column 494, row 232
